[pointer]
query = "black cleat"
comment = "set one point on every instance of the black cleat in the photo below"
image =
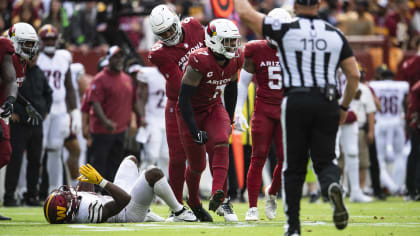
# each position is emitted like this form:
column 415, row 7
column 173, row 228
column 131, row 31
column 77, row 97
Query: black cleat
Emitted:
column 4, row 218
column 216, row 199
column 340, row 214
column 314, row 197
column 201, row 214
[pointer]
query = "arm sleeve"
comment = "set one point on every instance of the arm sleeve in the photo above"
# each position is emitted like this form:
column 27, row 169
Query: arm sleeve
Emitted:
column 230, row 95
column 187, row 91
column 244, row 81
column 370, row 102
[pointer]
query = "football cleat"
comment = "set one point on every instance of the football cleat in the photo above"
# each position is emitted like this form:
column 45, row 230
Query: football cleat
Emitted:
column 153, row 217
column 226, row 211
column 216, row 199
column 202, row 215
column 270, row 204
column 360, row 198
column 340, row 214
column 184, row 215
column 252, row 214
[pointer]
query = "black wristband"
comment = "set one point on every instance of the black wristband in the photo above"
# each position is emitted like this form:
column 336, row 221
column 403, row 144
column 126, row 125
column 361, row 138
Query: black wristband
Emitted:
column 344, row 108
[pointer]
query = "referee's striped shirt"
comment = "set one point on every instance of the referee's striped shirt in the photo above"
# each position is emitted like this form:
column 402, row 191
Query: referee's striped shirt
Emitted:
column 310, row 50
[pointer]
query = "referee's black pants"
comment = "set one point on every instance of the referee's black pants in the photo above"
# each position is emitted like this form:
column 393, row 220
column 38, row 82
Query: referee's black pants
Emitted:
column 310, row 124
column 24, row 137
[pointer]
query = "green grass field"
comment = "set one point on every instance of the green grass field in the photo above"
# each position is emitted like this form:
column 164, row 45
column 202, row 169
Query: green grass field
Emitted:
column 393, row 217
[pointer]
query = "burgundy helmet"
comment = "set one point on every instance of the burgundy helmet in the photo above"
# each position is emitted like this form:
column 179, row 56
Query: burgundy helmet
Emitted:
column 61, row 205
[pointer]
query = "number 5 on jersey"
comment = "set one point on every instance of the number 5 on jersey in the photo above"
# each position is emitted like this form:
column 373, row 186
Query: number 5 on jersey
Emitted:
column 274, row 77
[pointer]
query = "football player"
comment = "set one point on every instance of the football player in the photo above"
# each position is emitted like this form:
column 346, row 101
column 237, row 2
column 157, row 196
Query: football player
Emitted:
column 20, row 46
column 131, row 196
column 261, row 59
column 153, row 133
column 203, row 122
column 389, row 127
column 59, row 124
column 348, row 137
column 177, row 41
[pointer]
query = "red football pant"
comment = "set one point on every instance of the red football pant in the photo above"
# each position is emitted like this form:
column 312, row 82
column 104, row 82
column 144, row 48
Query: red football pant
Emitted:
column 177, row 157
column 265, row 125
column 215, row 121
column 5, row 147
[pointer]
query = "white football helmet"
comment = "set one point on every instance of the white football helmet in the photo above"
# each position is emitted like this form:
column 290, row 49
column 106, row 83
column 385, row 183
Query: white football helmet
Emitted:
column 283, row 15
column 163, row 19
column 222, row 37
column 24, row 39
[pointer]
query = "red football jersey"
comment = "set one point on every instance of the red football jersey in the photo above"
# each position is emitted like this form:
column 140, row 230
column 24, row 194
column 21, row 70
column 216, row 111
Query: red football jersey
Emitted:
column 6, row 46
column 215, row 78
column 171, row 61
column 267, row 71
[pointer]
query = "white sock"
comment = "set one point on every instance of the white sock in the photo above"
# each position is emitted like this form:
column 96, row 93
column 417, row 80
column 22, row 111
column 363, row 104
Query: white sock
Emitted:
column 55, row 169
column 399, row 172
column 385, row 177
column 164, row 191
column 352, row 169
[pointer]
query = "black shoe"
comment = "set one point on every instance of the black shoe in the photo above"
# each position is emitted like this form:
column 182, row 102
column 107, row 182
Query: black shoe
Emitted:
column 32, row 201
column 381, row 196
column 202, row 215
column 216, row 199
column 10, row 202
column 313, row 197
column 293, row 233
column 4, row 218
column 340, row 214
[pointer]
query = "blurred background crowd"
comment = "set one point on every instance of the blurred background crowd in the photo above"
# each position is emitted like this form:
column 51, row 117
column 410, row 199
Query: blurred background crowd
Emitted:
column 379, row 31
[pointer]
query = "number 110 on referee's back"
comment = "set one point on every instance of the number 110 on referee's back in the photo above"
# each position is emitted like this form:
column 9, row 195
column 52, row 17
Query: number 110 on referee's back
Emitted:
column 318, row 44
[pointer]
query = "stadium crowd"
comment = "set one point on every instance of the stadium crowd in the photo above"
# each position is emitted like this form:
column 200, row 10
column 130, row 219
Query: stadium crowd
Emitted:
column 119, row 111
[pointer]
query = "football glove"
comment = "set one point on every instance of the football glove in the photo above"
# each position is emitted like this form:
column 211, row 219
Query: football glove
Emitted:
column 7, row 107
column 89, row 175
column 240, row 122
column 34, row 118
column 201, row 137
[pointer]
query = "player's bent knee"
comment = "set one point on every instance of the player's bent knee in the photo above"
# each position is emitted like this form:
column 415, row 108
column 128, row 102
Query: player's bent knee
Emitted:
column 133, row 159
column 153, row 175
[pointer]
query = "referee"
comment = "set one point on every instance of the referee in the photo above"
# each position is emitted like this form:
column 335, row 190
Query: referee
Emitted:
column 310, row 52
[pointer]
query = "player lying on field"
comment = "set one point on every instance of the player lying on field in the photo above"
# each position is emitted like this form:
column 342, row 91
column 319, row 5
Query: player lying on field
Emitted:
column 131, row 196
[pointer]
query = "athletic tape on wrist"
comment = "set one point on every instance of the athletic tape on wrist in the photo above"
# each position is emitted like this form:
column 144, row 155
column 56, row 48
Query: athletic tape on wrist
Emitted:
column 103, row 183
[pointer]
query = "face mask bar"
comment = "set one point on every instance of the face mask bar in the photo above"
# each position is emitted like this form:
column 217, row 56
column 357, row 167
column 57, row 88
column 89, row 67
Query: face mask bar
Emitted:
column 29, row 47
column 173, row 35
column 231, row 44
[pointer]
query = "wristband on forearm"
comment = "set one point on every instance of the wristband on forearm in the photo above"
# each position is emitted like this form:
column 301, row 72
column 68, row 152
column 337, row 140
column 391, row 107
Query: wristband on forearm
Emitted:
column 103, row 183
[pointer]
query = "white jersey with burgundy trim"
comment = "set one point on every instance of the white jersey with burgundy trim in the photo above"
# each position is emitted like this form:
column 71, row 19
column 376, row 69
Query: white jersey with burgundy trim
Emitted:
column 391, row 93
column 55, row 69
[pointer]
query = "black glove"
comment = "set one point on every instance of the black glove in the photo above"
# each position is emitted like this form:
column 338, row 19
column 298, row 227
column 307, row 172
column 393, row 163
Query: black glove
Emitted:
column 200, row 137
column 34, row 118
column 7, row 107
